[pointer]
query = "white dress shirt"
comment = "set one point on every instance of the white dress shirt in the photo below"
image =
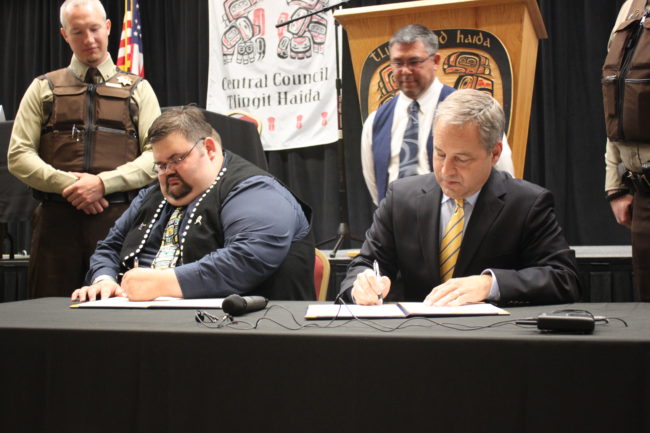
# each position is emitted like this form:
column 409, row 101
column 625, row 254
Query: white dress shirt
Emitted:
column 428, row 102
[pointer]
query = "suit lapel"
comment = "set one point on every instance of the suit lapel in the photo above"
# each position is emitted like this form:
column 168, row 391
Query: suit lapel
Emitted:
column 428, row 223
column 489, row 204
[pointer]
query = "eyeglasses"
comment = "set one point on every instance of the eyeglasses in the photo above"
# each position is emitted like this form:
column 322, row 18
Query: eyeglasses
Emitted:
column 161, row 167
column 411, row 64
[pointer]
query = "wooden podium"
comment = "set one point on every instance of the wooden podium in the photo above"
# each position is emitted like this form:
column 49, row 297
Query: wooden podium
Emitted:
column 517, row 24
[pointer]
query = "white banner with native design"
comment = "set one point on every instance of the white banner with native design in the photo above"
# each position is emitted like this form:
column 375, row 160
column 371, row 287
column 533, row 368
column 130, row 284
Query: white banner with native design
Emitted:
column 284, row 77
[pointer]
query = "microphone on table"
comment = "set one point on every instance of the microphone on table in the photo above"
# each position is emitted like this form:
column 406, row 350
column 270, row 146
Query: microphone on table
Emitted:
column 236, row 305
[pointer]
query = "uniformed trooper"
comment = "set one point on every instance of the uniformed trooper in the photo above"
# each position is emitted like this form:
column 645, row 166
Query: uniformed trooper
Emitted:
column 79, row 140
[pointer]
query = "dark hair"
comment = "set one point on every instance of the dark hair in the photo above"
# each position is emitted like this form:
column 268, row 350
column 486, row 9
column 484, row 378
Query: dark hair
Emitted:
column 186, row 120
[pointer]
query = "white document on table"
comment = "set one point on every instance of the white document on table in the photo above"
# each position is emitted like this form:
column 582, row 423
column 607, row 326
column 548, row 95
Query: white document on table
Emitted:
column 480, row 309
column 399, row 310
column 160, row 302
column 347, row 311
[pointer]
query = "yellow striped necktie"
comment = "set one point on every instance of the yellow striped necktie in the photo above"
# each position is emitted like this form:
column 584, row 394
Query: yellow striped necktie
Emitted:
column 450, row 243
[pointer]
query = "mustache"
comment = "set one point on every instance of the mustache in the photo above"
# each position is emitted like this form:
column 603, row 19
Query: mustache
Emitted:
column 181, row 190
column 173, row 176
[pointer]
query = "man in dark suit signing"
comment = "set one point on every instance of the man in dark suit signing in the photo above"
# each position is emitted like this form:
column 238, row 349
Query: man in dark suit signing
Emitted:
column 467, row 232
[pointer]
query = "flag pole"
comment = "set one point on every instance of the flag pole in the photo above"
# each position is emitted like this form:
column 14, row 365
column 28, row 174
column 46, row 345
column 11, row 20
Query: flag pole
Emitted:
column 127, row 42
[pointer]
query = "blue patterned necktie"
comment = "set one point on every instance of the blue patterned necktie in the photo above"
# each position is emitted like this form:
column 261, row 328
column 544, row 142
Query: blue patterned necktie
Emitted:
column 408, row 155
column 170, row 247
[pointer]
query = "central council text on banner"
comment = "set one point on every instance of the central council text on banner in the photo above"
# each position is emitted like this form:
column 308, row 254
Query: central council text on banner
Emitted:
column 277, row 80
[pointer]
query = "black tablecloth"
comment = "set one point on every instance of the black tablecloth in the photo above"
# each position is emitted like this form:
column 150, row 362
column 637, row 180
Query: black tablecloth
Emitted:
column 72, row 370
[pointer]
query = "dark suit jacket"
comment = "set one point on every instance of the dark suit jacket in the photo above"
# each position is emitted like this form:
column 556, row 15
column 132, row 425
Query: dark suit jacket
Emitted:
column 512, row 230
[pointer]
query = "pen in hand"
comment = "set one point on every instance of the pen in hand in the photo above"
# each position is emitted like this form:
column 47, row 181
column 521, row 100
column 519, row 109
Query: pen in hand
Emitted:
column 375, row 268
column 136, row 264
column 121, row 274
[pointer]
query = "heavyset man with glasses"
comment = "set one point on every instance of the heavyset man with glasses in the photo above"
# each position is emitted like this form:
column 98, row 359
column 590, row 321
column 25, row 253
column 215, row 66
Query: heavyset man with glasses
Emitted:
column 79, row 140
column 214, row 225
column 414, row 59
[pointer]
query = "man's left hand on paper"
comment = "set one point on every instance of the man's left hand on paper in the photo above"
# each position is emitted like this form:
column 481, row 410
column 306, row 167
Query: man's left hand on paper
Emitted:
column 459, row 291
column 105, row 289
column 138, row 284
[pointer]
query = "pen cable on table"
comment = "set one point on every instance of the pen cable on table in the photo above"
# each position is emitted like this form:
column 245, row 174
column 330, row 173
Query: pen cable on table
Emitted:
column 227, row 321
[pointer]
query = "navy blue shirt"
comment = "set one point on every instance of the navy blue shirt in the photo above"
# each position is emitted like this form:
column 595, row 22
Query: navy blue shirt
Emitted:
column 260, row 220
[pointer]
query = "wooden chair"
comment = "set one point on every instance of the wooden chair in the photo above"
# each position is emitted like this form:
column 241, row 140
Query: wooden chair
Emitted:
column 321, row 275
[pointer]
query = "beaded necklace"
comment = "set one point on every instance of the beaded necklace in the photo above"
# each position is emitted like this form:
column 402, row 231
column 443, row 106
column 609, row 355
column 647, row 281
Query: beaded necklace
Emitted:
column 183, row 235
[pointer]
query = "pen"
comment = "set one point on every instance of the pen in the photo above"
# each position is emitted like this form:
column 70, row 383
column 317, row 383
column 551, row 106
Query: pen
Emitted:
column 375, row 268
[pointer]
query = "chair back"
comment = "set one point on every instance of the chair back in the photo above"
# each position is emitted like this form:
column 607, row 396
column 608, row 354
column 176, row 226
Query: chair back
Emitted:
column 238, row 136
column 321, row 275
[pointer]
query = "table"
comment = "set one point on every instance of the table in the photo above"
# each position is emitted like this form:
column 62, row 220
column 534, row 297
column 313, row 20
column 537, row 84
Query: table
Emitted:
column 72, row 370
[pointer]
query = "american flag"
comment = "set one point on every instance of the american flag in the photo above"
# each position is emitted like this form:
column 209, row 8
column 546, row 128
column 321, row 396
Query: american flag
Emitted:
column 129, row 56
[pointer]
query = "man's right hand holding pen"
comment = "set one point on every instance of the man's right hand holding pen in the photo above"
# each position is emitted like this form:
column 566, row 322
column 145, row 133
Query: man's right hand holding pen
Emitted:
column 370, row 288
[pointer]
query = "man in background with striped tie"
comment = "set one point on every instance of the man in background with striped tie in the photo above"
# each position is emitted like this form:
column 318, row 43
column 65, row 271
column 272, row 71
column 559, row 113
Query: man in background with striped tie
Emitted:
column 396, row 141
column 467, row 232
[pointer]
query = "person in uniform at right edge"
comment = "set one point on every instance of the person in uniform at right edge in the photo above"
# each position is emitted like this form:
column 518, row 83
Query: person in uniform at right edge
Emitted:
column 628, row 140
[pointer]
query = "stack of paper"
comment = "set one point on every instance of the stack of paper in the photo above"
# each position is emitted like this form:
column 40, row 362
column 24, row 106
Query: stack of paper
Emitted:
column 399, row 310
column 161, row 302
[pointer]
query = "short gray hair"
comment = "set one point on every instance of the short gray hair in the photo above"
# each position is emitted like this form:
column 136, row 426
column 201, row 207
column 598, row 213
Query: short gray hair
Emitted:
column 473, row 106
column 74, row 3
column 416, row 32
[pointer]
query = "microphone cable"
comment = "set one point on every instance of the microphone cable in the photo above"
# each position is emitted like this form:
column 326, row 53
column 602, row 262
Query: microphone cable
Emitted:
column 227, row 321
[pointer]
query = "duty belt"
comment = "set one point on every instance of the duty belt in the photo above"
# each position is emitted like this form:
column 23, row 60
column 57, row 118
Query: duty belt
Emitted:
column 114, row 198
column 637, row 182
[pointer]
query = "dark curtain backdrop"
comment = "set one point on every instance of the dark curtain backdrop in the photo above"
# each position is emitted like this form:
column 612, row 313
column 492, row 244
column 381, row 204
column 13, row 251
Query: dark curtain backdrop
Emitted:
column 566, row 141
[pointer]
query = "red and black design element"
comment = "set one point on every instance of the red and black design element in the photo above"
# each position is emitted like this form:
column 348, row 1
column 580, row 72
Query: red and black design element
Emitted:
column 243, row 38
column 386, row 84
column 304, row 37
column 473, row 70
column 248, row 117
